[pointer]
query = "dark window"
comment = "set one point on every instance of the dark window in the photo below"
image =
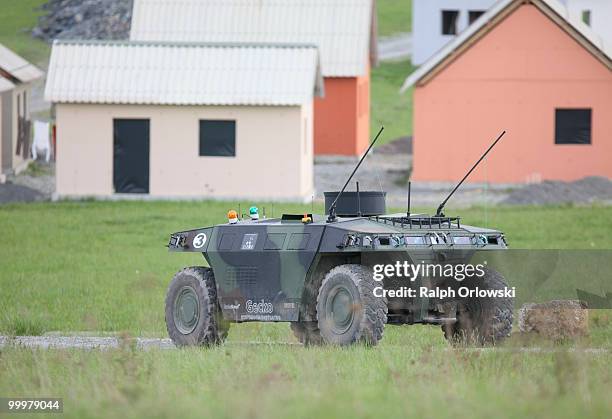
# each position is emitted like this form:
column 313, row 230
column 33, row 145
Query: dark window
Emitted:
column 572, row 126
column 474, row 14
column 449, row 22
column 217, row 138
column 586, row 17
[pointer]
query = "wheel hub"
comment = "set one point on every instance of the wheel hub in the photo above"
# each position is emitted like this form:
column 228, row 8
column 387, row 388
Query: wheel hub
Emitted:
column 340, row 309
column 186, row 310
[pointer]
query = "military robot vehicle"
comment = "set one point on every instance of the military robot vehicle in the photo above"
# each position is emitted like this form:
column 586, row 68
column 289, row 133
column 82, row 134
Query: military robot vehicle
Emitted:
column 317, row 273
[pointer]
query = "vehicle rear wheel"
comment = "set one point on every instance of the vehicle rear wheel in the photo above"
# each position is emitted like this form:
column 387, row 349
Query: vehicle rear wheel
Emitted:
column 482, row 320
column 347, row 310
column 193, row 316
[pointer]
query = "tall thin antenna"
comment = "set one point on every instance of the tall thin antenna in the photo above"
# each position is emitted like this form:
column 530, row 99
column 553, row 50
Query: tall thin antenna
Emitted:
column 441, row 206
column 332, row 208
column 358, row 201
column 408, row 207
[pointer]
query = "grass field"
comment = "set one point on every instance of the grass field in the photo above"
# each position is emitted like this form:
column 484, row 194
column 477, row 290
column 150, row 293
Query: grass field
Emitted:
column 16, row 22
column 388, row 107
column 394, row 16
column 102, row 266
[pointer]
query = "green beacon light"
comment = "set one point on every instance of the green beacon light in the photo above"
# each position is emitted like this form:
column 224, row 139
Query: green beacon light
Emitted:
column 254, row 213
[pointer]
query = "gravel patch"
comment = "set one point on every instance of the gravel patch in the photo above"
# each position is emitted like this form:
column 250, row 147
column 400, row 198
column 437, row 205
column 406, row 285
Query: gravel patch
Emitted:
column 583, row 191
column 107, row 342
column 37, row 183
column 389, row 171
column 10, row 192
column 84, row 342
column 84, row 19
column 144, row 344
column 402, row 145
column 388, row 168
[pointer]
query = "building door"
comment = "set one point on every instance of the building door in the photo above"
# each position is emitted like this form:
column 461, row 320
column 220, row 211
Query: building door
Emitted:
column 131, row 155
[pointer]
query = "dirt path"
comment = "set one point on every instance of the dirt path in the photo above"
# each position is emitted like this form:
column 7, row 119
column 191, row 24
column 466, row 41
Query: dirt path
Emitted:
column 110, row 342
column 396, row 47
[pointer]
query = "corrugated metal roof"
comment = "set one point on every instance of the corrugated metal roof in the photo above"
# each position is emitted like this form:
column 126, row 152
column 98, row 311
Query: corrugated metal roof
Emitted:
column 5, row 84
column 483, row 21
column 341, row 28
column 182, row 73
column 17, row 66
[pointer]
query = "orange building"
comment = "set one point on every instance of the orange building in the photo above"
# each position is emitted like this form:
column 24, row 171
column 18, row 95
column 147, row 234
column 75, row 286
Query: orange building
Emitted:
column 528, row 68
column 344, row 32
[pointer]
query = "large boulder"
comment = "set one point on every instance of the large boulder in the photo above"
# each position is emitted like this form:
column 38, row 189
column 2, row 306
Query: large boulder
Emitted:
column 557, row 320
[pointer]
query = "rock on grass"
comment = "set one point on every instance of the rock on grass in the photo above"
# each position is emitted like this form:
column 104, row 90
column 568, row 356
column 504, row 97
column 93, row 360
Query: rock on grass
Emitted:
column 557, row 320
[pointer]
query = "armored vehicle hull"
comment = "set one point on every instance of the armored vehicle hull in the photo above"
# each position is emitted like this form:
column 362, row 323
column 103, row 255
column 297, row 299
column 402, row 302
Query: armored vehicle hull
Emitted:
column 274, row 269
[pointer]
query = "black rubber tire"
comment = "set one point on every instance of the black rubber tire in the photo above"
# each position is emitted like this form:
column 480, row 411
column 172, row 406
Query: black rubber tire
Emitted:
column 211, row 328
column 482, row 321
column 368, row 314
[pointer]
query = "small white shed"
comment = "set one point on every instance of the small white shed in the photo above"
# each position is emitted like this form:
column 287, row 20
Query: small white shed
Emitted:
column 184, row 119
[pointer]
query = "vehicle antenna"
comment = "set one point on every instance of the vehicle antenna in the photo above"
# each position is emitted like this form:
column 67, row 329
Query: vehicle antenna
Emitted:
column 408, row 207
column 439, row 212
column 332, row 208
column 358, row 201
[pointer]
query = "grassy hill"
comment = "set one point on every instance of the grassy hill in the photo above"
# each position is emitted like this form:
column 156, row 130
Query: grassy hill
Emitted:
column 394, row 16
column 16, row 22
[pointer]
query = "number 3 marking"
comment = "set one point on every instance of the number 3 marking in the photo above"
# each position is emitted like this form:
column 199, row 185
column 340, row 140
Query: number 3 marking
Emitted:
column 199, row 240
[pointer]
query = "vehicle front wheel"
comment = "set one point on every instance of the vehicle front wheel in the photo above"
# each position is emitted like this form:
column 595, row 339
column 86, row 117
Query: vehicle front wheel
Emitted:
column 347, row 310
column 193, row 316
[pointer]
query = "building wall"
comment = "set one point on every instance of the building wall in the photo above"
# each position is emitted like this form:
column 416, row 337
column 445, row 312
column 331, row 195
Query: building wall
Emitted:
column 20, row 91
column 270, row 161
column 342, row 117
column 1, row 129
column 427, row 37
column 513, row 78
column 9, row 128
column 601, row 15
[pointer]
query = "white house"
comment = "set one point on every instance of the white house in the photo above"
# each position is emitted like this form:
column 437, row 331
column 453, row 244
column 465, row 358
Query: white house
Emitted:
column 595, row 13
column 435, row 23
column 183, row 119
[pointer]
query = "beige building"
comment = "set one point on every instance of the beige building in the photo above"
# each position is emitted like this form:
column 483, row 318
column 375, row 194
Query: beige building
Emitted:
column 16, row 77
column 184, row 119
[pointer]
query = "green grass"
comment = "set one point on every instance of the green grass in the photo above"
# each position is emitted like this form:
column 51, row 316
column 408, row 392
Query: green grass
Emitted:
column 411, row 374
column 388, row 107
column 394, row 16
column 17, row 19
column 103, row 266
